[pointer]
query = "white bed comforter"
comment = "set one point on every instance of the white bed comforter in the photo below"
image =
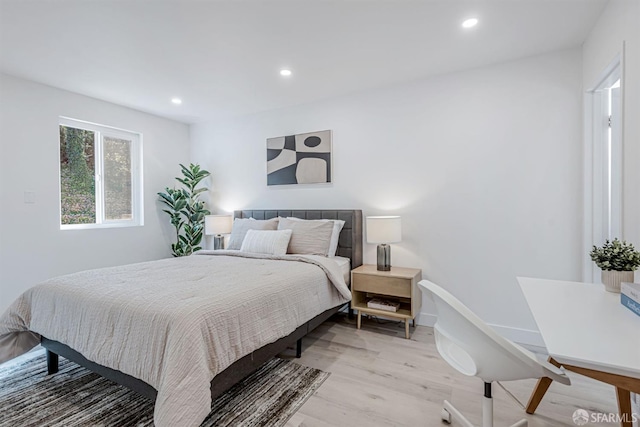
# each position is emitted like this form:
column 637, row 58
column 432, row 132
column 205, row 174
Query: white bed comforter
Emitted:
column 175, row 323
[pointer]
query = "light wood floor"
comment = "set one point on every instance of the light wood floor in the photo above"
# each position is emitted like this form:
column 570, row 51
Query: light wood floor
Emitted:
column 379, row 378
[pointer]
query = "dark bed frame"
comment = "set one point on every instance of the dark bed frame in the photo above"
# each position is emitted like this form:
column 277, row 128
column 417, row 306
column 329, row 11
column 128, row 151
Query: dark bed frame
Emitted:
column 349, row 245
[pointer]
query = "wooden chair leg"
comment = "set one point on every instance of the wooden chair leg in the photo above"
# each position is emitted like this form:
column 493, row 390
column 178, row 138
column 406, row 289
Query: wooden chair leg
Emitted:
column 624, row 407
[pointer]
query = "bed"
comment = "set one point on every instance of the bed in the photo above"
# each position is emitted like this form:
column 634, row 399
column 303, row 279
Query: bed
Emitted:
column 349, row 246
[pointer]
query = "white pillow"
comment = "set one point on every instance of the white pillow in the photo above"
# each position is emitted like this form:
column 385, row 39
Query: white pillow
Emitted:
column 272, row 242
column 241, row 225
column 308, row 237
column 335, row 237
column 335, row 234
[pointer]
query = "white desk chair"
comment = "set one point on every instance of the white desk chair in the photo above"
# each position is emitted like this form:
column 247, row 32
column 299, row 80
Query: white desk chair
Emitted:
column 474, row 349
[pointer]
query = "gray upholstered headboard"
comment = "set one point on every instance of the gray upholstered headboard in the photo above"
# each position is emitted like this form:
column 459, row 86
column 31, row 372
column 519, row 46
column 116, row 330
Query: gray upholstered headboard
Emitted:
column 350, row 244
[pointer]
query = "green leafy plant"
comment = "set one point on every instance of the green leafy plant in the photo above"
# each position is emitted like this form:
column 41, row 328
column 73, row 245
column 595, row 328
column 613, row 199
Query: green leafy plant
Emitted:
column 186, row 211
column 616, row 255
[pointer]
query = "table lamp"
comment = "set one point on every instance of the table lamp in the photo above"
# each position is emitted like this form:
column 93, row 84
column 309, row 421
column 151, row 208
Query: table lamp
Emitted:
column 384, row 230
column 218, row 225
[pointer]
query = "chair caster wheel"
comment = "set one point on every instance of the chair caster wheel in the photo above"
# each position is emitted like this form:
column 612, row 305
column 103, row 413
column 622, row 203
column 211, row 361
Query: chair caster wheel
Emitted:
column 446, row 416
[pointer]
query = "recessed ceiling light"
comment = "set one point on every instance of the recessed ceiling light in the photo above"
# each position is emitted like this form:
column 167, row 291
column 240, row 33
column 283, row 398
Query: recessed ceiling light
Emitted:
column 472, row 22
column 176, row 101
column 285, row 73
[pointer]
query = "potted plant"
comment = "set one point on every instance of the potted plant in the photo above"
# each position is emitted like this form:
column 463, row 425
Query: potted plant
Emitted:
column 617, row 260
column 186, row 211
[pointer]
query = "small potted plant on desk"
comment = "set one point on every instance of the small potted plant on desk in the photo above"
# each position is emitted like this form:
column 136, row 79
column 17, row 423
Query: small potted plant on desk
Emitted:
column 617, row 260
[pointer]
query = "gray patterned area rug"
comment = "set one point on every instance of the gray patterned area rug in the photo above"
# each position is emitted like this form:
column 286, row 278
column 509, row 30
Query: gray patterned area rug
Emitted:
column 78, row 397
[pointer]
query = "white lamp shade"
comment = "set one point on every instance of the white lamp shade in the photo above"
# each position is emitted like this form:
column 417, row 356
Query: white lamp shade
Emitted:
column 384, row 229
column 217, row 224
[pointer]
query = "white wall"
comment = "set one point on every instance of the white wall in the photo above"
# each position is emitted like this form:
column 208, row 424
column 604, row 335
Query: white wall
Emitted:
column 484, row 167
column 619, row 23
column 32, row 246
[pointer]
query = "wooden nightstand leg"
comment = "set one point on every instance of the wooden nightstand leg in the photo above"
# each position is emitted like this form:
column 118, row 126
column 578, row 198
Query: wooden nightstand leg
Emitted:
column 406, row 328
column 413, row 322
column 359, row 318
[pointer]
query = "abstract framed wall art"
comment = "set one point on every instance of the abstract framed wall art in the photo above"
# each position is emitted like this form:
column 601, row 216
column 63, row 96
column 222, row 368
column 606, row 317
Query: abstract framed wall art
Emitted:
column 299, row 159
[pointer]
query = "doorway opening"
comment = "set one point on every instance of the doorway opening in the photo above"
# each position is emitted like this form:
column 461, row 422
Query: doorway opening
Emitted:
column 603, row 192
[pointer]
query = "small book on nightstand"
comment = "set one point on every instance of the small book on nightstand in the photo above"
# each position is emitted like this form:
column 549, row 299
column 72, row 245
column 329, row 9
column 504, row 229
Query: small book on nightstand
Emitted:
column 383, row 304
column 630, row 296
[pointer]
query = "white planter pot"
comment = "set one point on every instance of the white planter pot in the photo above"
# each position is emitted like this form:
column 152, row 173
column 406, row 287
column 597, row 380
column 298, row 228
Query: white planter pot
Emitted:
column 612, row 279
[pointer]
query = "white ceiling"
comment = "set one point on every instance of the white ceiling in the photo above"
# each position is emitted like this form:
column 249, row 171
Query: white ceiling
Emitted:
column 223, row 57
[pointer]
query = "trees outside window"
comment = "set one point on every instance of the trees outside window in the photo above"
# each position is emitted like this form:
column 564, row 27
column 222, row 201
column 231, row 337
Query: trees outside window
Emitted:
column 100, row 176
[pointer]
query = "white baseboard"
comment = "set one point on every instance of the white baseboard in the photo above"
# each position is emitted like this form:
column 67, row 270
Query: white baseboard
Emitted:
column 526, row 337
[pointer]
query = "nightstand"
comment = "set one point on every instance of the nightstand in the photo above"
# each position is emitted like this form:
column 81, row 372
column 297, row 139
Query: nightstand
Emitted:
column 399, row 284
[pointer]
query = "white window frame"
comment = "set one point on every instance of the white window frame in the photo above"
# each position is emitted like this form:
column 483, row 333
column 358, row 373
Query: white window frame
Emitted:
column 137, row 205
column 603, row 201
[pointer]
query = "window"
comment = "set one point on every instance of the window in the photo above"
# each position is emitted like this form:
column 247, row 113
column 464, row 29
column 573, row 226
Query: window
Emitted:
column 100, row 176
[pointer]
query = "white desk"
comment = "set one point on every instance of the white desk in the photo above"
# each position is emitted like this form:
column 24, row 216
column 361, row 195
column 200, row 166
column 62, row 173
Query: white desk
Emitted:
column 587, row 331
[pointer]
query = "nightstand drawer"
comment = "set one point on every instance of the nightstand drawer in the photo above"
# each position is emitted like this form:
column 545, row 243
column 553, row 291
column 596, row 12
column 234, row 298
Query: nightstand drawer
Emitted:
column 392, row 286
